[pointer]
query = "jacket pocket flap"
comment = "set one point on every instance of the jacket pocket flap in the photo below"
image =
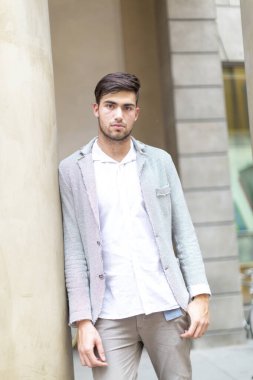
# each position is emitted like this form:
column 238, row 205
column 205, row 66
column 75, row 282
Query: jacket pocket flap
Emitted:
column 165, row 190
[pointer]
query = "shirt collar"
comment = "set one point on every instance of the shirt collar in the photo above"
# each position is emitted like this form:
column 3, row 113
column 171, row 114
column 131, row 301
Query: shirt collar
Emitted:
column 99, row 155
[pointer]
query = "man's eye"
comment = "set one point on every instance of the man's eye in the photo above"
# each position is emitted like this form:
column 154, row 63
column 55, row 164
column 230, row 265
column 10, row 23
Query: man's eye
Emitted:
column 110, row 106
column 129, row 108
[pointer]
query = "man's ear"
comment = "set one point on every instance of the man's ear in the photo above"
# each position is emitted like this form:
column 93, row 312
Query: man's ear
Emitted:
column 95, row 109
column 137, row 111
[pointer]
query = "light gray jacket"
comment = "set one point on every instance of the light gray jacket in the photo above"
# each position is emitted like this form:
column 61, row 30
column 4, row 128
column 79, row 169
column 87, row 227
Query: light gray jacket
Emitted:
column 168, row 214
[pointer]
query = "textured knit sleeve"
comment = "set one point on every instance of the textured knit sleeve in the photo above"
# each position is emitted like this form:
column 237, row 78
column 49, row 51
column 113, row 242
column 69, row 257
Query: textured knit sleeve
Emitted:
column 185, row 239
column 76, row 271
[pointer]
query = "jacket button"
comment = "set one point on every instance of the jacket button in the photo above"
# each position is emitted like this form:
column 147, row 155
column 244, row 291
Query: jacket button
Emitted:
column 101, row 276
column 98, row 243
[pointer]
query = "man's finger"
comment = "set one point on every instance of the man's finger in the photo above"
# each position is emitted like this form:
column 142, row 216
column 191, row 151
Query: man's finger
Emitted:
column 203, row 326
column 100, row 350
column 190, row 332
column 198, row 332
column 86, row 357
column 84, row 360
column 94, row 361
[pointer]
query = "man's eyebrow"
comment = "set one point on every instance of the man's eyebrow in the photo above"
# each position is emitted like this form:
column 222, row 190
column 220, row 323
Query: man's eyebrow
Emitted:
column 110, row 102
column 124, row 105
column 130, row 104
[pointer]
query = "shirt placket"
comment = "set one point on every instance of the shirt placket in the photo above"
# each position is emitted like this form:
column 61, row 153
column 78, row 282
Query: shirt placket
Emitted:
column 127, row 210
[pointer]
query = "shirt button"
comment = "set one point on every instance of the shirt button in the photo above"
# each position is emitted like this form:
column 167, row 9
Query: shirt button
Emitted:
column 166, row 268
column 101, row 276
column 98, row 243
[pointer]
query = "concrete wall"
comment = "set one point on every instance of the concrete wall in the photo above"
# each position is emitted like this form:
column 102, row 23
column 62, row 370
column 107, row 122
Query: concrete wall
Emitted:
column 228, row 18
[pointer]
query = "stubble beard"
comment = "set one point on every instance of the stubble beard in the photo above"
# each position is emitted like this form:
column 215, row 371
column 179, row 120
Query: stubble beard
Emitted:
column 112, row 137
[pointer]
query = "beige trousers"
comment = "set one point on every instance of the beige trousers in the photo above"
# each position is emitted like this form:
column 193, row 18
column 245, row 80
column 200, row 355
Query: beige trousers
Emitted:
column 123, row 340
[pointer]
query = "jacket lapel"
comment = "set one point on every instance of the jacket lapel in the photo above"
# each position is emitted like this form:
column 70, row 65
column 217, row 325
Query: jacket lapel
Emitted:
column 140, row 155
column 87, row 169
column 140, row 159
column 146, row 180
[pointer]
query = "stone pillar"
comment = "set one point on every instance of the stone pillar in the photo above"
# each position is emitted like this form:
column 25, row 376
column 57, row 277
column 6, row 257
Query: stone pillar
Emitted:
column 34, row 338
column 247, row 30
column 201, row 134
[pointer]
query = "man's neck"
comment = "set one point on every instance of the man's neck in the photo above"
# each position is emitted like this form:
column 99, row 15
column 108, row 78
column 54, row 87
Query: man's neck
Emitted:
column 115, row 149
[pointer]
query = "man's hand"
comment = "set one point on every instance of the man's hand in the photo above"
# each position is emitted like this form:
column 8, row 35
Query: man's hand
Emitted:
column 199, row 315
column 88, row 339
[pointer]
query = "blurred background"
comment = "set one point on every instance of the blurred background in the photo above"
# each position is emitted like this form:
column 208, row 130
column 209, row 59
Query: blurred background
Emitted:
column 190, row 60
column 196, row 77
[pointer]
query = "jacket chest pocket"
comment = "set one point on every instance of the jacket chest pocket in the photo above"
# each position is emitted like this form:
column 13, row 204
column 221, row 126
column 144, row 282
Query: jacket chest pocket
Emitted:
column 164, row 200
column 163, row 191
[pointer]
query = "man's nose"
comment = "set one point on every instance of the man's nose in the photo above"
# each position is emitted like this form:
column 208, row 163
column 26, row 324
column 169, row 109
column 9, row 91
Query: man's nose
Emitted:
column 118, row 113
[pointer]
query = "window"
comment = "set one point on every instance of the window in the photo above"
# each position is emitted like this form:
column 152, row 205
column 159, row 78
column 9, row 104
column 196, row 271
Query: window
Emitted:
column 240, row 159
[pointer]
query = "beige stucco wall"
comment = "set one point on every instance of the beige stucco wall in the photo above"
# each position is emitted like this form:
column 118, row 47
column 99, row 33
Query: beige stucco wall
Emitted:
column 87, row 44
column 141, row 52
column 91, row 39
column 34, row 338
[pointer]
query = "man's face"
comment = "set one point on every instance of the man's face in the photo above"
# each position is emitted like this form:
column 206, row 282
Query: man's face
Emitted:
column 116, row 113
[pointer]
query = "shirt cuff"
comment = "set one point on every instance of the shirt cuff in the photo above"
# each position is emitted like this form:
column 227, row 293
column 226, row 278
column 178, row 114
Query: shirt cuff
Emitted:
column 198, row 289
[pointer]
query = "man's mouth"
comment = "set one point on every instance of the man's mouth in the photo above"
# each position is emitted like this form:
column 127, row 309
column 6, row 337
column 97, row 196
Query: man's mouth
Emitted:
column 117, row 125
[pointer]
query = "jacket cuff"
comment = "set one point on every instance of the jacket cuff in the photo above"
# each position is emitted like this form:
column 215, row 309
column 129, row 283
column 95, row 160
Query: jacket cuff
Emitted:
column 75, row 317
column 197, row 289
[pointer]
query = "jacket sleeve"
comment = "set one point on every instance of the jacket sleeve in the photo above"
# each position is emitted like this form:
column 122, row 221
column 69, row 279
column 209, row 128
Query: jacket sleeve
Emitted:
column 76, row 270
column 185, row 239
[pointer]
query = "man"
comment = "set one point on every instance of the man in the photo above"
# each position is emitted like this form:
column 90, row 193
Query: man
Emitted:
column 123, row 212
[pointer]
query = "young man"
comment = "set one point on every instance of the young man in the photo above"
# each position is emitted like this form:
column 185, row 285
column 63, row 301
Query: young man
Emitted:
column 123, row 214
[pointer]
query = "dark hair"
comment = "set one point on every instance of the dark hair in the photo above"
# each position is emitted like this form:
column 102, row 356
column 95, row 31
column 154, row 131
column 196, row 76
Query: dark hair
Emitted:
column 116, row 82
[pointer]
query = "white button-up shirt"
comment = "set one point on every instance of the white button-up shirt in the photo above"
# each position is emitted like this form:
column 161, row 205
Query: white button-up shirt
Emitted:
column 134, row 278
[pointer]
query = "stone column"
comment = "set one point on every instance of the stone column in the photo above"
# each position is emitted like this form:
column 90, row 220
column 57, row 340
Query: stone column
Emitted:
column 247, row 30
column 34, row 338
column 201, row 134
